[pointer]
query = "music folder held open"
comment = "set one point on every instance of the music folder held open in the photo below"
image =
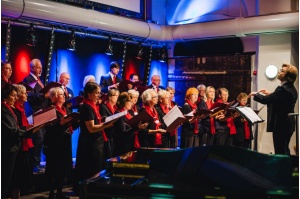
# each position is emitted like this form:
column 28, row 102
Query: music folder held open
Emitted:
column 113, row 118
column 249, row 114
column 44, row 116
column 141, row 117
column 173, row 119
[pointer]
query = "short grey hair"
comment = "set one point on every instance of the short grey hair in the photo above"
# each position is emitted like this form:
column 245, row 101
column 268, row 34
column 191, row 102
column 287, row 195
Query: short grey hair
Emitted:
column 20, row 89
column 133, row 93
column 146, row 96
column 54, row 92
column 87, row 79
column 33, row 63
column 163, row 94
column 201, row 86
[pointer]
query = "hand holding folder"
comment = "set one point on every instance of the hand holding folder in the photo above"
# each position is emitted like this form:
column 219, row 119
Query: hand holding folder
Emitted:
column 73, row 117
column 44, row 117
column 249, row 114
column 173, row 119
column 140, row 118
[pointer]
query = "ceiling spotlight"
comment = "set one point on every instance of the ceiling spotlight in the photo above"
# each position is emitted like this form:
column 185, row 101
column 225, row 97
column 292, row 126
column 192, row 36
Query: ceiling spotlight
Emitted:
column 72, row 42
column 109, row 50
column 31, row 36
column 140, row 52
column 162, row 55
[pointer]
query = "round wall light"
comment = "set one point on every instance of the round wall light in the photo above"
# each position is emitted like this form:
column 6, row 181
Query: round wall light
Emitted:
column 271, row 72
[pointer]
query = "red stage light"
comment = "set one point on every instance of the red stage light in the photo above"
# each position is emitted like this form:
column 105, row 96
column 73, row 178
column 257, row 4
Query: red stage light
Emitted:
column 21, row 68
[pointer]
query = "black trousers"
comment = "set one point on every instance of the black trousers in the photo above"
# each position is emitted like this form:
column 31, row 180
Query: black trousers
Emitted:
column 7, row 167
column 38, row 138
column 281, row 142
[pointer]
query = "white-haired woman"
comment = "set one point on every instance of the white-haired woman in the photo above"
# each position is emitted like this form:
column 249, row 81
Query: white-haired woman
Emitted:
column 134, row 98
column 58, row 146
column 151, row 136
column 162, row 109
column 88, row 78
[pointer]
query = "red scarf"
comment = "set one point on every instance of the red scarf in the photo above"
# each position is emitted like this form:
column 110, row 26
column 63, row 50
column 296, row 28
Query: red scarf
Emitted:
column 231, row 126
column 134, row 109
column 172, row 104
column 194, row 108
column 209, row 104
column 247, row 130
column 229, row 121
column 7, row 81
column 165, row 110
column 154, row 114
column 95, row 108
column 26, row 142
column 20, row 108
column 63, row 111
column 136, row 143
column 111, row 108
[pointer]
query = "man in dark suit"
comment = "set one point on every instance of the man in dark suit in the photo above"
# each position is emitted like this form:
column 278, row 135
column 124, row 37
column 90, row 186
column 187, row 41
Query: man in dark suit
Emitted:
column 155, row 83
column 280, row 103
column 36, row 102
column 111, row 80
column 64, row 79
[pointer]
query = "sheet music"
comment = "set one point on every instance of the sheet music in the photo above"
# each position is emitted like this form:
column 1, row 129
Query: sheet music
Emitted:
column 30, row 119
column 250, row 114
column 172, row 115
column 115, row 116
column 44, row 117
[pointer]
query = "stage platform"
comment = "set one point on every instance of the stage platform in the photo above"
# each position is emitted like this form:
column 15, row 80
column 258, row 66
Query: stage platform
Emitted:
column 202, row 172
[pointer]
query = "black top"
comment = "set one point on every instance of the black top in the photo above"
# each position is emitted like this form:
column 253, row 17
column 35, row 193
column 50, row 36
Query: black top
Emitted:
column 187, row 129
column 11, row 134
column 281, row 102
column 124, row 137
column 89, row 158
column 58, row 145
column 105, row 112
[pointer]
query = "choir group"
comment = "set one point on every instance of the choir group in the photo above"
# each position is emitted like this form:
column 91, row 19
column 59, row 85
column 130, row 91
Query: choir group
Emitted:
column 99, row 140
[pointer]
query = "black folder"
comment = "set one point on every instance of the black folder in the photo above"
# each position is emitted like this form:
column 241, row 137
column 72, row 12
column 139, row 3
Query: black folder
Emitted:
column 142, row 117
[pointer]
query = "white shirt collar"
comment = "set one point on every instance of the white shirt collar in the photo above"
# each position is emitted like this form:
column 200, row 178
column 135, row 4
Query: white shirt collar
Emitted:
column 283, row 82
column 36, row 78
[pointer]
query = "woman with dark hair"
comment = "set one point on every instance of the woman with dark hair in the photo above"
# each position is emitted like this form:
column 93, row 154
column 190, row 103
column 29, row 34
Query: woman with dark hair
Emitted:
column 89, row 157
column 126, row 138
column 107, row 109
column 11, row 135
column 6, row 72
